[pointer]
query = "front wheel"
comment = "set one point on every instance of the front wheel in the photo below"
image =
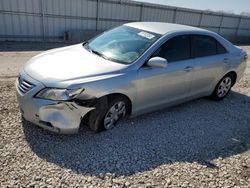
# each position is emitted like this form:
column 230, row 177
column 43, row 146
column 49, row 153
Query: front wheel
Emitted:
column 106, row 119
column 223, row 87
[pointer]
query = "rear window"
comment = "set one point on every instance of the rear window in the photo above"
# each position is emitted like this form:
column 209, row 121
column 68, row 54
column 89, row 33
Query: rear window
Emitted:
column 220, row 49
column 206, row 46
column 203, row 46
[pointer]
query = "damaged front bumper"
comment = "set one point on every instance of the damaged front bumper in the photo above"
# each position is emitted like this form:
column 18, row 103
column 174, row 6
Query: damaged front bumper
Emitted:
column 57, row 116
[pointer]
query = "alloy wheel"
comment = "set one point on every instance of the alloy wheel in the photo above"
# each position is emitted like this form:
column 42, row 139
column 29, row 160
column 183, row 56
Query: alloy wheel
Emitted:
column 224, row 87
column 117, row 111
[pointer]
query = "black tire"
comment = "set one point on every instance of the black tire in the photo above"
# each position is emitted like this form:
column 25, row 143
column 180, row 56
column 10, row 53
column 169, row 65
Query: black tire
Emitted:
column 96, row 117
column 215, row 95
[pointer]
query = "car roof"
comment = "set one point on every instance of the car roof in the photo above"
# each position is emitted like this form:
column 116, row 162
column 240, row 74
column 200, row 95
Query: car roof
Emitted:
column 162, row 28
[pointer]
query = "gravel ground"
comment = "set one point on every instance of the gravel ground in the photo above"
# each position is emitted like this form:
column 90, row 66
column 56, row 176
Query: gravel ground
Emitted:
column 201, row 143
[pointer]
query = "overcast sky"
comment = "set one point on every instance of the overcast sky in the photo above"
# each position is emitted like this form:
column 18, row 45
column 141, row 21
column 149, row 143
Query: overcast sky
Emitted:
column 237, row 6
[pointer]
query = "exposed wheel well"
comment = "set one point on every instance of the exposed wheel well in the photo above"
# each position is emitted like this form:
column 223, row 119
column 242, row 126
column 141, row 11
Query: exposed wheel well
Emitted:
column 109, row 98
column 114, row 95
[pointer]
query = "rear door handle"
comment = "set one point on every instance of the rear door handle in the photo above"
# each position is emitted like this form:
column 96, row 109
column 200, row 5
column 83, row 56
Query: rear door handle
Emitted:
column 188, row 68
column 225, row 60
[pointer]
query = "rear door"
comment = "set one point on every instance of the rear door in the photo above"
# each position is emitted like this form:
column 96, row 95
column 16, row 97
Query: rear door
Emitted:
column 210, row 59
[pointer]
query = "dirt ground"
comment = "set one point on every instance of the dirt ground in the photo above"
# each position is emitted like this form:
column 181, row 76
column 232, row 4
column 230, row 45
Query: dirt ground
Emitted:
column 201, row 143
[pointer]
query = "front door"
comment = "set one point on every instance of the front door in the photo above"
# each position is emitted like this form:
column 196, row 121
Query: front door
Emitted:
column 157, row 87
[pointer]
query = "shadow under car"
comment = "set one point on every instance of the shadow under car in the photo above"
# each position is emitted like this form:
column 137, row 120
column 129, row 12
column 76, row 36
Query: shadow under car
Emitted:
column 200, row 130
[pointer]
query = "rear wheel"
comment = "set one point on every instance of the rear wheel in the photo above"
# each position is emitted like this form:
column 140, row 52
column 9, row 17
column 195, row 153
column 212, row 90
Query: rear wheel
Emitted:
column 223, row 87
column 107, row 118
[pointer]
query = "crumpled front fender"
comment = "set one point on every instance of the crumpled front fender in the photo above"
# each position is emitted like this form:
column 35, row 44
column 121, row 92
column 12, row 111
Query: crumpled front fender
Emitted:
column 64, row 117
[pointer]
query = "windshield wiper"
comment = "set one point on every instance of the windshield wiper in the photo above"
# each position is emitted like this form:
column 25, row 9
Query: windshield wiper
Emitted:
column 96, row 52
column 92, row 51
column 86, row 46
column 99, row 54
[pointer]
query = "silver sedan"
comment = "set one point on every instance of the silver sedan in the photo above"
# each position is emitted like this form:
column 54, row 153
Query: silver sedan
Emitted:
column 129, row 70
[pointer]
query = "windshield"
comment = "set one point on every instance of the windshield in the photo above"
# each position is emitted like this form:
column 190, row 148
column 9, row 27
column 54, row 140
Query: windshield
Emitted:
column 123, row 44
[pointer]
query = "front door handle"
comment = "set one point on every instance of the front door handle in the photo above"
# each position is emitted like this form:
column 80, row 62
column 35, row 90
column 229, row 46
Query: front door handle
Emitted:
column 188, row 68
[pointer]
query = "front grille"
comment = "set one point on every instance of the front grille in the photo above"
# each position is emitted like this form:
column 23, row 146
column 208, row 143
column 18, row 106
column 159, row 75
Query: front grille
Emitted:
column 24, row 86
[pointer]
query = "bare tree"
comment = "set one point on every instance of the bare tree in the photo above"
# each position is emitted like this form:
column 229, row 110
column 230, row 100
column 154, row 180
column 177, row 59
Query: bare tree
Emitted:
column 226, row 11
column 245, row 13
column 221, row 11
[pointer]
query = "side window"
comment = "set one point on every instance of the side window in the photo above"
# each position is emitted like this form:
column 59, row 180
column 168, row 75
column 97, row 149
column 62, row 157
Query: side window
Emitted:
column 220, row 49
column 203, row 46
column 175, row 49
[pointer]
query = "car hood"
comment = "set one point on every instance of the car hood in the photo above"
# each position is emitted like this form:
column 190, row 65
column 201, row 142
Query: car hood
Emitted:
column 69, row 63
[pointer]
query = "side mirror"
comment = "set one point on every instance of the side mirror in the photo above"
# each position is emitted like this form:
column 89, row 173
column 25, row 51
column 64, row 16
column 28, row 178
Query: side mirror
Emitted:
column 157, row 62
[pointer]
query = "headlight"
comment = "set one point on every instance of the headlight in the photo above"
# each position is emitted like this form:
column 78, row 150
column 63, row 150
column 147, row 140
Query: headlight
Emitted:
column 58, row 94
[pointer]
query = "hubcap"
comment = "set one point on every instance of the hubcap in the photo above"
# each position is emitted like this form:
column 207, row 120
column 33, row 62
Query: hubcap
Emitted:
column 224, row 87
column 117, row 111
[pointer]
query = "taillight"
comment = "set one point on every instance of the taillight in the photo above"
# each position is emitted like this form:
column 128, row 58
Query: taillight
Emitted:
column 245, row 57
